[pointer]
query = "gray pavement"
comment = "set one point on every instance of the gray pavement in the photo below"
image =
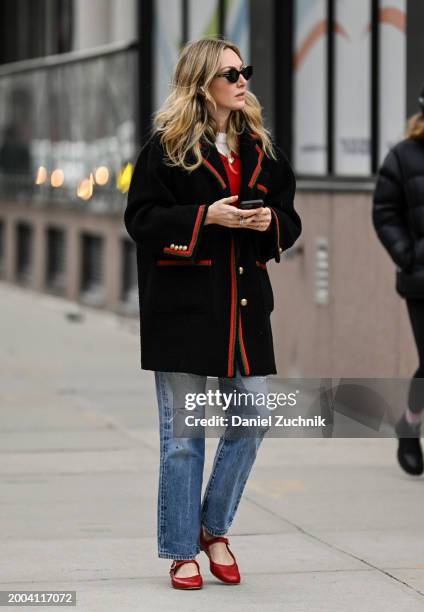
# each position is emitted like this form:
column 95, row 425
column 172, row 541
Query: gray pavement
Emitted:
column 323, row 525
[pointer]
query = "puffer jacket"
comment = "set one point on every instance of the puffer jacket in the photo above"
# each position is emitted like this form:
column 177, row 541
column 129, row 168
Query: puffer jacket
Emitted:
column 398, row 213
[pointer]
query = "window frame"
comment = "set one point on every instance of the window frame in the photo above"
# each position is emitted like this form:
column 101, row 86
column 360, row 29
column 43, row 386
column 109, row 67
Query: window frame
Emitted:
column 284, row 28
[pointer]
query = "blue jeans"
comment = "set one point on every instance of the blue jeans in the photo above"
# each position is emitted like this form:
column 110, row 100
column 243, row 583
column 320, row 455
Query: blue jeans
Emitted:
column 180, row 511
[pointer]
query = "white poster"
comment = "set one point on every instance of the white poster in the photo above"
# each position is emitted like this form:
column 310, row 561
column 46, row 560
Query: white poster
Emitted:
column 237, row 26
column 167, row 39
column 392, row 112
column 310, row 82
column 352, row 154
column 203, row 18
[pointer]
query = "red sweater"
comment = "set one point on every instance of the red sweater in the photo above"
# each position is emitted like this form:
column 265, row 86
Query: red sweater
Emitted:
column 233, row 174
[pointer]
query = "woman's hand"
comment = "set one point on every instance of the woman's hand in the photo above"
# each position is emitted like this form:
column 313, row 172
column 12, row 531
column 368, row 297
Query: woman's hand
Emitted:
column 260, row 221
column 223, row 213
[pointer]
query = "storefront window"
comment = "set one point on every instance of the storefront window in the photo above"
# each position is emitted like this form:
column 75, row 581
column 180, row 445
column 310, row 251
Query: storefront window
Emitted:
column 310, row 81
column 352, row 31
column 392, row 83
column 168, row 37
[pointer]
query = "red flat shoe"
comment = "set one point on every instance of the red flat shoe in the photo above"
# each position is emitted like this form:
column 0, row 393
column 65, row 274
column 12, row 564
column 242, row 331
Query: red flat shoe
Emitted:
column 188, row 582
column 227, row 573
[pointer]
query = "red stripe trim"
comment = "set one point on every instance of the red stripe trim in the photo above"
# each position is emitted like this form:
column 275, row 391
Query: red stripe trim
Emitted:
column 277, row 226
column 242, row 349
column 261, row 265
column 168, row 262
column 231, row 342
column 262, row 187
column 215, row 172
column 257, row 168
column 194, row 236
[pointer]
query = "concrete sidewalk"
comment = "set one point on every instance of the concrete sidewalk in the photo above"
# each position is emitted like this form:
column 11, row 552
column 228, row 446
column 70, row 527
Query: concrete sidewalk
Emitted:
column 324, row 525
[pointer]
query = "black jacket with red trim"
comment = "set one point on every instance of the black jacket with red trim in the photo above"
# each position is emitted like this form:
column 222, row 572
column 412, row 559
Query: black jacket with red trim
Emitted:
column 204, row 291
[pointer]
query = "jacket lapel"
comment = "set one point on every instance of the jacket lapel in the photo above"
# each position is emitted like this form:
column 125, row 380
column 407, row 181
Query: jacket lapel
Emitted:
column 251, row 156
column 212, row 164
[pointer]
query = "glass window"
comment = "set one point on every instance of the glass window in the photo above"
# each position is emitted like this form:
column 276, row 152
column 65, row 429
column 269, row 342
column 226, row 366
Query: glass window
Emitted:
column 167, row 40
column 203, row 18
column 392, row 83
column 310, row 83
column 237, row 26
column 57, row 142
column 352, row 32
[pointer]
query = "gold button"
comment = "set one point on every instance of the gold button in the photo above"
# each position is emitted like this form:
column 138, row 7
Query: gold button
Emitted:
column 241, row 270
column 280, row 249
column 172, row 246
column 243, row 302
column 185, row 248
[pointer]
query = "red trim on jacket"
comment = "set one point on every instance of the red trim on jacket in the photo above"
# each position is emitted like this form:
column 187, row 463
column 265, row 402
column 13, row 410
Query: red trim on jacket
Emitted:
column 233, row 172
column 214, row 172
column 258, row 167
column 188, row 253
column 242, row 349
column 277, row 225
column 175, row 262
column 233, row 315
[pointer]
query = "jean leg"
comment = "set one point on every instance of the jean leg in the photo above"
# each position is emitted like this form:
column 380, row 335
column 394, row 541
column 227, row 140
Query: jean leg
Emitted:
column 180, row 471
column 233, row 461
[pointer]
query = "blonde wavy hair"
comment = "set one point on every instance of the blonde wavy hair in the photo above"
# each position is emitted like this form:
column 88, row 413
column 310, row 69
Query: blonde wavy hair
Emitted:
column 415, row 127
column 184, row 118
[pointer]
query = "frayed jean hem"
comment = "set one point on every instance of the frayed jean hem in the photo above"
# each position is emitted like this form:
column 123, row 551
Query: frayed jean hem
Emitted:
column 177, row 557
column 214, row 532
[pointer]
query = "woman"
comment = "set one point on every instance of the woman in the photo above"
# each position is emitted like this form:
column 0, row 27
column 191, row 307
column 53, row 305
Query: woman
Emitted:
column 205, row 295
column 398, row 216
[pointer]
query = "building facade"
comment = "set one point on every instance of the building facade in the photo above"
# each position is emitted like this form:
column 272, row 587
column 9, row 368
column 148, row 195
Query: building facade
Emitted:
column 337, row 79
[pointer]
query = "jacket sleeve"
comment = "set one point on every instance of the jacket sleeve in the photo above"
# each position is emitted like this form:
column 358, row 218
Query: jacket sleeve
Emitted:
column 286, row 226
column 389, row 213
column 153, row 216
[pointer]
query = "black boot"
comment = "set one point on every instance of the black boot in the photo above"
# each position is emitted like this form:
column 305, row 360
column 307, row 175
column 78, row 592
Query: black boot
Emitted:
column 410, row 454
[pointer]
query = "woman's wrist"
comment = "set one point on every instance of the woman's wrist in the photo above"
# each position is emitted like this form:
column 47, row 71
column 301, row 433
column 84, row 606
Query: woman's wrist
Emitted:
column 209, row 217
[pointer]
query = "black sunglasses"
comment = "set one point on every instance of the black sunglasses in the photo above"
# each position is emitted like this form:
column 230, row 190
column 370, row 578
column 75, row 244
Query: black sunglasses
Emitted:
column 233, row 74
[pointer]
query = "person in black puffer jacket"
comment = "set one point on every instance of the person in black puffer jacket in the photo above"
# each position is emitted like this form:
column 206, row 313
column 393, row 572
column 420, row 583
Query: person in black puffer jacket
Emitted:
column 398, row 218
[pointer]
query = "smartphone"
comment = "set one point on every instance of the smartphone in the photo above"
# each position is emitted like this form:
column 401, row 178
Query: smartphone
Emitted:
column 249, row 204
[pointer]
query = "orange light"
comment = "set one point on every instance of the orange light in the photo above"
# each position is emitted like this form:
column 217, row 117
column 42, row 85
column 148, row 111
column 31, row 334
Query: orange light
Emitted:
column 41, row 176
column 101, row 175
column 57, row 178
column 85, row 188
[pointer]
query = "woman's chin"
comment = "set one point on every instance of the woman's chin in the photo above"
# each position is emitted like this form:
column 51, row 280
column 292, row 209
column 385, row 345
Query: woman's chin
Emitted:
column 239, row 104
